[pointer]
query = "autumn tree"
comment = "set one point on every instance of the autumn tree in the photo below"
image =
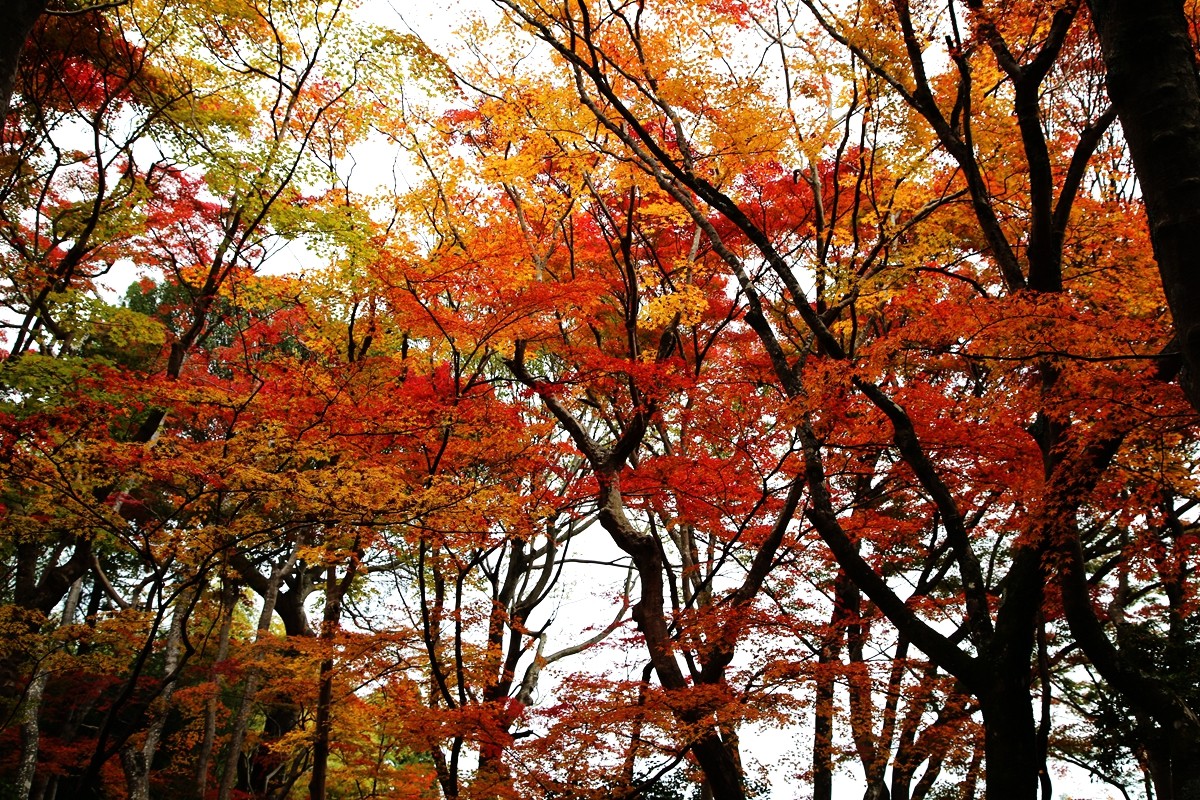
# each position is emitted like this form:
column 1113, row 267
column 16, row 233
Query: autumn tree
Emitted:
column 638, row 350
column 1149, row 54
column 169, row 117
column 818, row 351
column 1021, row 249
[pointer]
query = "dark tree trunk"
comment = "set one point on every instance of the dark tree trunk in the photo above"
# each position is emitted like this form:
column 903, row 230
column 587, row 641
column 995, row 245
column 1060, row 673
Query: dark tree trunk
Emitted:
column 1155, row 90
column 824, row 702
column 1173, row 762
column 16, row 23
column 715, row 756
column 1153, row 84
column 1185, row 772
column 1010, row 739
column 823, row 732
column 335, row 594
column 320, row 769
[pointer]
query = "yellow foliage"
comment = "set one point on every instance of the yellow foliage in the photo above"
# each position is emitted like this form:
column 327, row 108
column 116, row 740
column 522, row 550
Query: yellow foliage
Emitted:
column 686, row 306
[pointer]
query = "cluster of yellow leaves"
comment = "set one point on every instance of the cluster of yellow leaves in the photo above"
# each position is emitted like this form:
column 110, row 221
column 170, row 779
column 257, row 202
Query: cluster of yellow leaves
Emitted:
column 686, row 306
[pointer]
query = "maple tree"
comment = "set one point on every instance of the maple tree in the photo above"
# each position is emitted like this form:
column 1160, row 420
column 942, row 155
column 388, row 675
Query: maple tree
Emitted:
column 817, row 352
column 58, row 245
column 634, row 235
column 629, row 86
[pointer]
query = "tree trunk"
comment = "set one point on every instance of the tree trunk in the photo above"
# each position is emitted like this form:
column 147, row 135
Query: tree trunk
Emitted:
column 972, row 776
column 1010, row 739
column 721, row 771
column 1185, row 768
column 30, row 733
column 228, row 604
column 334, row 590
column 1153, row 84
column 138, row 759
column 30, row 730
column 15, row 27
column 253, row 679
column 281, row 714
column 823, row 724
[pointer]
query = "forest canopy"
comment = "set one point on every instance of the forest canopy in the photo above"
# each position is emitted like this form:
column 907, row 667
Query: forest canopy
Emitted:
column 659, row 399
